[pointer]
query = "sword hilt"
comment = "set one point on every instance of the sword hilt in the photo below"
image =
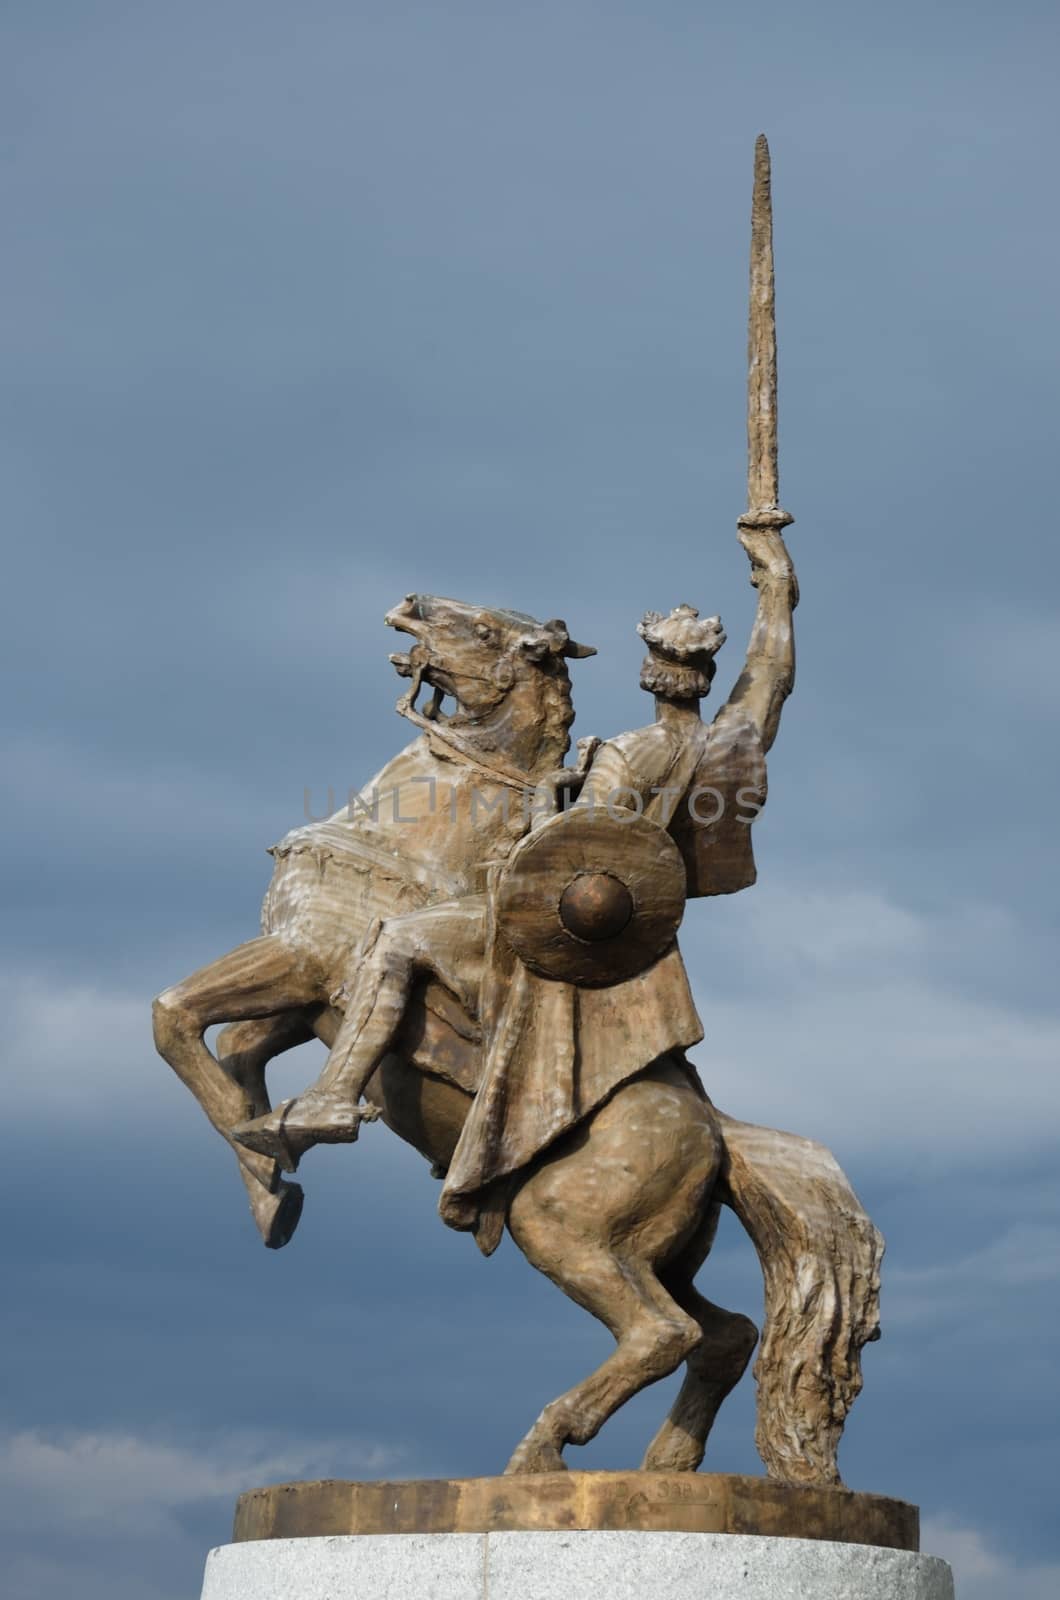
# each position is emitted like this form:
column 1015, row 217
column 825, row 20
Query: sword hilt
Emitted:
column 765, row 517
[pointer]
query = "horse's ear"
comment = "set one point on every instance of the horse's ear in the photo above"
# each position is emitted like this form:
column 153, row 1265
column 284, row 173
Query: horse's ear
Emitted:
column 552, row 639
column 564, row 645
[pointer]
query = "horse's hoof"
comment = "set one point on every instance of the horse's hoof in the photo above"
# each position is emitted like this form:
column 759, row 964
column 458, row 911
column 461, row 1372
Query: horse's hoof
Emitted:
column 288, row 1215
column 277, row 1215
column 535, row 1458
column 673, row 1450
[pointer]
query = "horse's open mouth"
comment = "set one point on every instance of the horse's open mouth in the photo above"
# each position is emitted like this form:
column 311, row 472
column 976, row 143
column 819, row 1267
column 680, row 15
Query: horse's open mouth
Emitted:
column 436, row 709
column 416, row 664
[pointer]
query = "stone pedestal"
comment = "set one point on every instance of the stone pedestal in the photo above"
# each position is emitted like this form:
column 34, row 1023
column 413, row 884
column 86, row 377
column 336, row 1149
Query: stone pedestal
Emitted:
column 618, row 1565
column 568, row 1535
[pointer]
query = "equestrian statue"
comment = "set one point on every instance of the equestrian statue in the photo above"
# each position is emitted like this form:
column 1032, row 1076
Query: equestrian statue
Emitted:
column 485, row 939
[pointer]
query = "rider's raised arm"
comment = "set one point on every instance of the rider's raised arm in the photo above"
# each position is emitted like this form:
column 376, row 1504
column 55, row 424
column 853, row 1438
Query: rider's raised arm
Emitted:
column 769, row 671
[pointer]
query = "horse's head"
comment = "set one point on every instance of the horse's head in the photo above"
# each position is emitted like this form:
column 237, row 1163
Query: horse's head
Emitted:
column 504, row 671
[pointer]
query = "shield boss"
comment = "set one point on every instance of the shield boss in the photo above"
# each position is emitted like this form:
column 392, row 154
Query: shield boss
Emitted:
column 592, row 900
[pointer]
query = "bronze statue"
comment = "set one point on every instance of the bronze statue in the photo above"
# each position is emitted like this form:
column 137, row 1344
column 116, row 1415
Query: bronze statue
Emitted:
column 486, row 941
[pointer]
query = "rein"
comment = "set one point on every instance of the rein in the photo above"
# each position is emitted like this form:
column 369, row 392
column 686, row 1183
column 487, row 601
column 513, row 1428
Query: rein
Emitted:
column 455, row 747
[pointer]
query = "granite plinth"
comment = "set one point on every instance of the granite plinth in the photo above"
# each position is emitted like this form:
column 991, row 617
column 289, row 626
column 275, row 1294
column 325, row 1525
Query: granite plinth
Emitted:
column 618, row 1565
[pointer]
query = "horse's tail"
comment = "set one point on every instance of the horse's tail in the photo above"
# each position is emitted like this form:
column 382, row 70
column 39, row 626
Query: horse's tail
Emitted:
column 820, row 1257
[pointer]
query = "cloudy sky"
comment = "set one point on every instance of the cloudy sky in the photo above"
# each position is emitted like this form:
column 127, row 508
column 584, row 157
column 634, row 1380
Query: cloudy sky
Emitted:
column 308, row 306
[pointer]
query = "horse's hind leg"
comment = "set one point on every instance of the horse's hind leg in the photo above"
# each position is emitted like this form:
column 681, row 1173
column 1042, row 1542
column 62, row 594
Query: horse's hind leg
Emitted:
column 653, row 1336
column 257, row 980
column 603, row 1218
column 714, row 1367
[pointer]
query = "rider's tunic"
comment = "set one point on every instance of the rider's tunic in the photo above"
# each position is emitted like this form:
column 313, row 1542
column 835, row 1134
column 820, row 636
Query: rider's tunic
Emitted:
column 555, row 1051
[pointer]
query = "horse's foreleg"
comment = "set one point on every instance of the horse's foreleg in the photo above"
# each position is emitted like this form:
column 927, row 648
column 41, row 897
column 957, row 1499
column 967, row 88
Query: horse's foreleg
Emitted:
column 259, row 979
column 244, row 1050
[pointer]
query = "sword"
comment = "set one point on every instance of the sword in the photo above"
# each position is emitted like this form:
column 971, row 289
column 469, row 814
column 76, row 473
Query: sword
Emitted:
column 763, row 508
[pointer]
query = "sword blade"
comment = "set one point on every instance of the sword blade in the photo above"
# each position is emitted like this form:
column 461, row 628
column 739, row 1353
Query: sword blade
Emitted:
column 762, row 480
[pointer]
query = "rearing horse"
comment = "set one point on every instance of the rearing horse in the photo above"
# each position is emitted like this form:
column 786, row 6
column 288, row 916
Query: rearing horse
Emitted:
column 620, row 1212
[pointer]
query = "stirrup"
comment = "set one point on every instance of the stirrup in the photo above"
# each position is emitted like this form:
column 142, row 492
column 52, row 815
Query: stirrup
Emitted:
column 266, row 1135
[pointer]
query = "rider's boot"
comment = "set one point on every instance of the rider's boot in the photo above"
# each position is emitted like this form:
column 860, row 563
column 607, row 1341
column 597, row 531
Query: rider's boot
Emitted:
column 295, row 1126
column 328, row 1112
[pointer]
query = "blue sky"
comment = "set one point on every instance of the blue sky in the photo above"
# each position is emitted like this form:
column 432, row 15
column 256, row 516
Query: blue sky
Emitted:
column 305, row 307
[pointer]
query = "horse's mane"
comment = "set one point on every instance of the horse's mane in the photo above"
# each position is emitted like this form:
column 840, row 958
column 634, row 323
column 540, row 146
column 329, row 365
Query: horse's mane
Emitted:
column 557, row 707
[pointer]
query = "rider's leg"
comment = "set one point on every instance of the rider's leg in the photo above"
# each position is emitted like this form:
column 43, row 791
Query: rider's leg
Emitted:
column 373, row 998
column 259, row 979
column 444, row 940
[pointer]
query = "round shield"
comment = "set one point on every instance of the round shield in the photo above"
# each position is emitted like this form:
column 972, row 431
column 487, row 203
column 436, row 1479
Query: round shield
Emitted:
column 590, row 898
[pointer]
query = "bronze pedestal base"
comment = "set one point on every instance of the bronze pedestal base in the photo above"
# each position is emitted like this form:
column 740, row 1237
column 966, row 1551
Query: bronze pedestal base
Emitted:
column 682, row 1502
